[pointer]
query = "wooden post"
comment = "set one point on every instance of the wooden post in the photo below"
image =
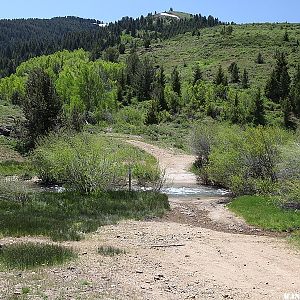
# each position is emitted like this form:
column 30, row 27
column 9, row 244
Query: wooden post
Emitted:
column 130, row 178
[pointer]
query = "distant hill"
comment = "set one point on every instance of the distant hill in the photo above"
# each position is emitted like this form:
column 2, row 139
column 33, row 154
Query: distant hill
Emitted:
column 22, row 39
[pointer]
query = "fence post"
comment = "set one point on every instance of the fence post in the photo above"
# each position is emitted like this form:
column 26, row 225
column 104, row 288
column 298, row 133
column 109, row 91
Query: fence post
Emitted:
column 130, row 178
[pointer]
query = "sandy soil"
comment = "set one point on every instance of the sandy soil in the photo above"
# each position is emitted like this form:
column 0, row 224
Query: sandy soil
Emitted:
column 199, row 250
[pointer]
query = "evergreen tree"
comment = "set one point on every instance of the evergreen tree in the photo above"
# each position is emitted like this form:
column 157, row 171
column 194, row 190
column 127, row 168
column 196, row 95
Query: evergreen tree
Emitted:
column 245, row 79
column 234, row 72
column 132, row 66
column 159, row 89
column 295, row 93
column 278, row 85
column 197, row 74
column 152, row 114
column 286, row 37
column 175, row 81
column 288, row 114
column 144, row 80
column 111, row 54
column 235, row 115
column 122, row 48
column 259, row 60
column 41, row 106
column 220, row 77
column 259, row 110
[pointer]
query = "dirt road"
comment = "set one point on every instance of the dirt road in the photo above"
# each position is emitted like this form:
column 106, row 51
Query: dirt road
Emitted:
column 198, row 251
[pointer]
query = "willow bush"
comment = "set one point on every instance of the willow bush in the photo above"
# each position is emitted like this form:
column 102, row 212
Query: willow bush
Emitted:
column 91, row 163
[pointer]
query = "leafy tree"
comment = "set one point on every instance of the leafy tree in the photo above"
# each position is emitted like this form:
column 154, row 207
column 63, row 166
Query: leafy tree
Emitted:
column 245, row 79
column 175, row 81
column 197, row 74
column 259, row 110
column 41, row 106
column 234, row 71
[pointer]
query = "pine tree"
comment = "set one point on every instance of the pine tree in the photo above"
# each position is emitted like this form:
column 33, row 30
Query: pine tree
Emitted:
column 259, row 60
column 288, row 114
column 295, row 93
column 245, row 79
column 234, row 71
column 152, row 114
column 197, row 74
column 235, row 116
column 175, row 81
column 278, row 85
column 259, row 110
column 220, row 77
column 122, row 48
column 144, row 80
column 159, row 89
column 41, row 106
column 286, row 37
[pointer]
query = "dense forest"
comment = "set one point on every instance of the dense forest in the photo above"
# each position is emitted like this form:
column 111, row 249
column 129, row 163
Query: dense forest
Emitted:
column 26, row 38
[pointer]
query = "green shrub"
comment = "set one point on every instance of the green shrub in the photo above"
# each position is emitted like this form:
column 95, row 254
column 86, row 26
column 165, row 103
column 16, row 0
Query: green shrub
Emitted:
column 245, row 161
column 90, row 163
column 30, row 255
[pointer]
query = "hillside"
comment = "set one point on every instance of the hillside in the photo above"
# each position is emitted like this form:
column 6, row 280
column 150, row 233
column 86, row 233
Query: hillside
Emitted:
column 23, row 39
column 212, row 48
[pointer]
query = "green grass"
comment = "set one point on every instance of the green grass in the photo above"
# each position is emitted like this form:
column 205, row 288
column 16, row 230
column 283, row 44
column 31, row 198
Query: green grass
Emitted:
column 68, row 216
column 25, row 256
column 265, row 213
column 110, row 251
column 13, row 167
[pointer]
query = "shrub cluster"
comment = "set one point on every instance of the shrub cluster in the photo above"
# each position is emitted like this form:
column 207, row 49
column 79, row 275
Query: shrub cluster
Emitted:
column 252, row 160
column 89, row 163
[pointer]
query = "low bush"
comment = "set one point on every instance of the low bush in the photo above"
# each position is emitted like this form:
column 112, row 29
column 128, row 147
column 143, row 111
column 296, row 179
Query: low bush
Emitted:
column 24, row 256
column 90, row 163
column 243, row 160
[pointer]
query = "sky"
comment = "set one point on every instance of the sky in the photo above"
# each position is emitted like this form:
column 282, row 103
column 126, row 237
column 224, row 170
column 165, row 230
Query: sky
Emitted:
column 239, row 11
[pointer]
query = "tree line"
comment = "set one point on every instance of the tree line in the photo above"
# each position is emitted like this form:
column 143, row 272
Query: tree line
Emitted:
column 22, row 39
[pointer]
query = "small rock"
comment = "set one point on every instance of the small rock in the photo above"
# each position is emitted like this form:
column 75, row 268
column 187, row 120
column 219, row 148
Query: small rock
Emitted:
column 139, row 272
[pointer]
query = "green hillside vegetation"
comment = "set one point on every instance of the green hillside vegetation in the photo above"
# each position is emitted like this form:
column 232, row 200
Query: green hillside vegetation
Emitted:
column 213, row 48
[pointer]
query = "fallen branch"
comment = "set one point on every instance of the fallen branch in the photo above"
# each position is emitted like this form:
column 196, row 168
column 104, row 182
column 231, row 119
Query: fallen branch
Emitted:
column 167, row 246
